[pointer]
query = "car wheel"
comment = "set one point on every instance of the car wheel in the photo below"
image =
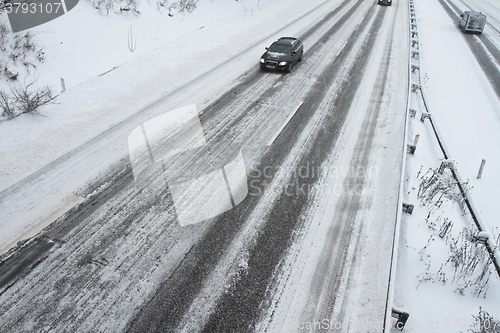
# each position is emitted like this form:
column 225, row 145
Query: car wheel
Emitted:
column 288, row 68
column 300, row 59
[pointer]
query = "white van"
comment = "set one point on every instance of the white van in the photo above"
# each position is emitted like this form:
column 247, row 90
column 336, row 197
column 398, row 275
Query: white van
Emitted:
column 472, row 22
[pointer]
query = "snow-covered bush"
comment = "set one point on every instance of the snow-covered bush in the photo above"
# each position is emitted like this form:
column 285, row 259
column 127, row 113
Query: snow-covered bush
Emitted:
column 180, row 6
column 30, row 98
column 485, row 323
column 468, row 265
column 24, row 99
column 19, row 53
column 7, row 105
column 471, row 264
column 435, row 187
column 117, row 6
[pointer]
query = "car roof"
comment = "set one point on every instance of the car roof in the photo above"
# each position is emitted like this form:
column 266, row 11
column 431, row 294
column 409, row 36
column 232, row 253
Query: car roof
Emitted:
column 470, row 12
column 286, row 41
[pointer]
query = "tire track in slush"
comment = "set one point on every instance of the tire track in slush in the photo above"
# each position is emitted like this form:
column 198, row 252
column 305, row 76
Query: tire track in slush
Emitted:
column 313, row 103
column 26, row 257
column 224, row 272
column 239, row 309
column 202, row 257
column 166, row 307
column 327, row 277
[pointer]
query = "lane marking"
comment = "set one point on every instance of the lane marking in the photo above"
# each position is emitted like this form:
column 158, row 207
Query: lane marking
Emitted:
column 341, row 48
column 285, row 123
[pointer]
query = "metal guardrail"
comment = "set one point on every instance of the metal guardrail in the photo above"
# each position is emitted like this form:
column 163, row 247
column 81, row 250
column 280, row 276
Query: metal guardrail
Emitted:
column 399, row 209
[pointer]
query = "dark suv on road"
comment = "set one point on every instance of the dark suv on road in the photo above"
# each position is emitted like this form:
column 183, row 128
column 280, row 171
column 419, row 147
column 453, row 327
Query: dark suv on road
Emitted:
column 385, row 2
column 283, row 54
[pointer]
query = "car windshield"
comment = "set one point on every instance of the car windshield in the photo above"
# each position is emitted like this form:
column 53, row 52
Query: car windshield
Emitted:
column 280, row 48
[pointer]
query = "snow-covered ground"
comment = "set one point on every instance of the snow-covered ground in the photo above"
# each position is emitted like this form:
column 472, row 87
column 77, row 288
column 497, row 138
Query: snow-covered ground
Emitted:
column 464, row 107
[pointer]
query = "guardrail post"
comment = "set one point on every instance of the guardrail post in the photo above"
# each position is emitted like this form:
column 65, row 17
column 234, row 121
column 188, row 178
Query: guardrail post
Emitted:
column 408, row 208
column 424, row 116
column 402, row 317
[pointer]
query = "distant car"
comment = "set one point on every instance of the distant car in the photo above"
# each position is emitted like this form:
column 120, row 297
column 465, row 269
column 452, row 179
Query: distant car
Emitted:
column 385, row 2
column 283, row 54
column 472, row 22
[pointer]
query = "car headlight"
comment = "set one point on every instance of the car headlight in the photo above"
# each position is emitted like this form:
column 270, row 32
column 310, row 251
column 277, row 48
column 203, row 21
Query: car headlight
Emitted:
column 283, row 63
column 262, row 60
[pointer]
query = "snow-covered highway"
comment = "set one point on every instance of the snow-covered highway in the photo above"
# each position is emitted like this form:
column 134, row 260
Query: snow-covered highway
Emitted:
column 311, row 241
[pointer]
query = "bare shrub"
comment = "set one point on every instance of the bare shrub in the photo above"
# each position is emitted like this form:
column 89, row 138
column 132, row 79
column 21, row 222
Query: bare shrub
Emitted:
column 186, row 5
column 104, row 5
column 440, row 227
column 470, row 262
column 130, row 5
column 445, row 228
column 180, row 6
column 469, row 265
column 496, row 238
column 40, row 55
column 4, row 32
column 435, row 188
column 18, row 52
column 118, row 6
column 6, row 104
column 485, row 323
column 30, row 99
